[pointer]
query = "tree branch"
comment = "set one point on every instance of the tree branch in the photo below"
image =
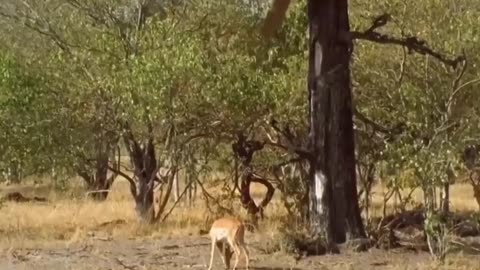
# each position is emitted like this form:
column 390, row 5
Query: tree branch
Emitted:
column 163, row 203
column 395, row 130
column 268, row 196
column 177, row 201
column 40, row 26
column 410, row 42
column 93, row 13
column 209, row 197
column 456, row 85
column 287, row 162
column 378, row 22
column 133, row 186
column 303, row 153
column 292, row 146
column 275, row 17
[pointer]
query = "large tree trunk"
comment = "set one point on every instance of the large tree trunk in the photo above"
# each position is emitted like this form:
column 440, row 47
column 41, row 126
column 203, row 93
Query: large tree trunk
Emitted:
column 14, row 172
column 143, row 159
column 333, row 196
column 145, row 172
column 144, row 200
column 321, row 204
column 342, row 98
column 470, row 158
column 96, row 175
column 98, row 183
column 102, row 182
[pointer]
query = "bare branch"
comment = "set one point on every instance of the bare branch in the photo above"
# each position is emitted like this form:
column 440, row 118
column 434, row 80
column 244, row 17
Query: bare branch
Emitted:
column 163, row 203
column 268, row 196
column 287, row 162
column 412, row 43
column 455, row 85
column 40, row 26
column 209, row 197
column 177, row 201
column 378, row 22
column 90, row 12
column 395, row 130
column 305, row 154
column 292, row 145
column 446, row 124
column 133, row 186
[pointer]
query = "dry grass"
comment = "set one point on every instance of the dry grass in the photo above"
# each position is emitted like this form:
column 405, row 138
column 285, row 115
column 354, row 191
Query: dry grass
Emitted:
column 66, row 218
column 70, row 220
column 461, row 199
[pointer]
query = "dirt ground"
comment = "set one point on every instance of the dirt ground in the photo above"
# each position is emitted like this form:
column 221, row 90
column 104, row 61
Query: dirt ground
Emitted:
column 192, row 253
column 42, row 236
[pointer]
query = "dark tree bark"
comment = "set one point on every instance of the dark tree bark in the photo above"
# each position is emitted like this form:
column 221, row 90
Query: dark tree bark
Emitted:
column 143, row 158
column 142, row 185
column 334, row 208
column 470, row 158
column 244, row 150
column 14, row 172
column 97, row 180
column 95, row 171
column 321, row 203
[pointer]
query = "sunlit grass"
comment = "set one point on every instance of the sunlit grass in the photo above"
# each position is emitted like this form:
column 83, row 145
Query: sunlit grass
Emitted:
column 71, row 217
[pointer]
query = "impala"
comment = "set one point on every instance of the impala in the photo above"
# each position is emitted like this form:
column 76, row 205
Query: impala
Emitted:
column 232, row 231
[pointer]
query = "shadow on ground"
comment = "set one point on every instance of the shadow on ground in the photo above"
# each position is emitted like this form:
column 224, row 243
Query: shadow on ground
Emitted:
column 274, row 268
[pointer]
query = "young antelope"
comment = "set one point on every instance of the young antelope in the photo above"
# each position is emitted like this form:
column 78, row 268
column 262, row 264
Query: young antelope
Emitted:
column 232, row 231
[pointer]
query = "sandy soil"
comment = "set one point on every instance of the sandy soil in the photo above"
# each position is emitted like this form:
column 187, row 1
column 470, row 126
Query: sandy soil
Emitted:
column 192, row 253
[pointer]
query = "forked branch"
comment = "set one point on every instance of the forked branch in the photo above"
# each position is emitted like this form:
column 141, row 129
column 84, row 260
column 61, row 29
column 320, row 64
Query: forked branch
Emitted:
column 413, row 44
column 394, row 130
column 291, row 140
column 163, row 201
column 133, row 186
column 176, row 202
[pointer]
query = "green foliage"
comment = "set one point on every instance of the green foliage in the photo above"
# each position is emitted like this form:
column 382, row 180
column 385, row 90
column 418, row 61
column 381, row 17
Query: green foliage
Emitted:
column 415, row 94
column 25, row 131
column 203, row 72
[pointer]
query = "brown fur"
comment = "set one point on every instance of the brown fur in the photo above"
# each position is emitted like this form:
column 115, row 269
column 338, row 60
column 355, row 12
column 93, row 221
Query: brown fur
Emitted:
column 232, row 231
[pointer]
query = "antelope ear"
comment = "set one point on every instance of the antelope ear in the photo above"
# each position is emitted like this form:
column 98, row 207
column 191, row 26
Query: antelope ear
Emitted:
column 275, row 17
